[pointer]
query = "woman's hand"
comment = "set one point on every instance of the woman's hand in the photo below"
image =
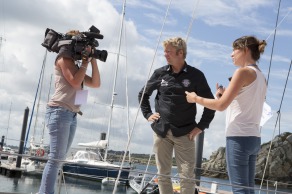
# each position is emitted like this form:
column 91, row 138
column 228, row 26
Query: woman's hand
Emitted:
column 191, row 97
column 220, row 90
column 86, row 54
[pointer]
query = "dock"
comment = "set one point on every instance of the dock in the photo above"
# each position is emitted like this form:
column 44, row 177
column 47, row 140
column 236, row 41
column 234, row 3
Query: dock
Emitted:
column 10, row 170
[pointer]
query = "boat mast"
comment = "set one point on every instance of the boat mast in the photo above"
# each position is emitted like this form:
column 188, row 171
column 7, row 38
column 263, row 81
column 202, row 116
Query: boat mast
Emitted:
column 1, row 39
column 34, row 102
column 8, row 124
column 44, row 125
column 5, row 143
column 115, row 80
column 32, row 140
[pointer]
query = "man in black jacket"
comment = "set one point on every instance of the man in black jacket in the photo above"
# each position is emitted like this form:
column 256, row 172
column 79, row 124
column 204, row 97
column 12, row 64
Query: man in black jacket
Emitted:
column 174, row 120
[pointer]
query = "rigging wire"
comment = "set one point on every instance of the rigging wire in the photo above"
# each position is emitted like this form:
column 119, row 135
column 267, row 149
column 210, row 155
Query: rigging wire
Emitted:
column 273, row 42
column 127, row 170
column 131, row 131
column 279, row 111
column 192, row 20
column 149, row 73
column 32, row 141
column 289, row 11
column 48, row 99
column 37, row 91
column 115, row 81
column 5, row 143
column 120, row 39
column 127, row 92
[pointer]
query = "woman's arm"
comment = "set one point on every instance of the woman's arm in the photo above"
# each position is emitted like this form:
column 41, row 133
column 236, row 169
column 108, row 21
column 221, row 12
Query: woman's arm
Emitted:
column 94, row 80
column 240, row 78
column 71, row 73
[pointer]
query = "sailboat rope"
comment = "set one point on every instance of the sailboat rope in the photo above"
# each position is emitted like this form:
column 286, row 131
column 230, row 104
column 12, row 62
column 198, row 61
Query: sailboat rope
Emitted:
column 39, row 100
column 131, row 131
column 275, row 31
column 188, row 32
column 192, row 20
column 135, row 120
column 279, row 111
column 124, row 156
column 41, row 74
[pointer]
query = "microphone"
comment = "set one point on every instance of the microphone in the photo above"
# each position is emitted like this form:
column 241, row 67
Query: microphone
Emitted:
column 220, row 87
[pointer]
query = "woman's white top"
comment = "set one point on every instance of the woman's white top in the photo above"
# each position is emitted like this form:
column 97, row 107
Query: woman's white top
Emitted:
column 244, row 114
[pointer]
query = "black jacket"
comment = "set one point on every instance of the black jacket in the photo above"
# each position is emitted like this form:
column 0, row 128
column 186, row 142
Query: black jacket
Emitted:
column 170, row 101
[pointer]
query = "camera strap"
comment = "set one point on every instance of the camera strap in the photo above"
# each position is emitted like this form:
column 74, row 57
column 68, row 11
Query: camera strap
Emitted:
column 82, row 83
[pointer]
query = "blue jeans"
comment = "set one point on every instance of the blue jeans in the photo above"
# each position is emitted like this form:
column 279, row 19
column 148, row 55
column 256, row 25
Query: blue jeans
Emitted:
column 241, row 153
column 62, row 126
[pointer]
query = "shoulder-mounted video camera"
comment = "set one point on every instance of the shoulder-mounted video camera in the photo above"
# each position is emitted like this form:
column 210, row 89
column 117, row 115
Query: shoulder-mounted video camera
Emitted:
column 75, row 44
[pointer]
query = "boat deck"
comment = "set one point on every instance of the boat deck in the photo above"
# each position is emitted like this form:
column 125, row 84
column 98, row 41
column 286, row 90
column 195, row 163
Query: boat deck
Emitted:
column 203, row 190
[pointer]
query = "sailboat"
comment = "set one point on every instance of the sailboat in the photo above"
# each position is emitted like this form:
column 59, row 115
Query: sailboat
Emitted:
column 38, row 152
column 92, row 163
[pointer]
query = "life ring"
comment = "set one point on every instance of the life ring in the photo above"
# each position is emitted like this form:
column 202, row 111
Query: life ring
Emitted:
column 40, row 152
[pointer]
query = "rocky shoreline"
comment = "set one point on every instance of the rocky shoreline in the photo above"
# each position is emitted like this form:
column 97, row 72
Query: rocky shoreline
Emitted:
column 273, row 167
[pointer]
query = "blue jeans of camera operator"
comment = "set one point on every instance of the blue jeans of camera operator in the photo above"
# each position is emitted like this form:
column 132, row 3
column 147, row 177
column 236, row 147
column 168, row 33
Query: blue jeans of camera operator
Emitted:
column 62, row 126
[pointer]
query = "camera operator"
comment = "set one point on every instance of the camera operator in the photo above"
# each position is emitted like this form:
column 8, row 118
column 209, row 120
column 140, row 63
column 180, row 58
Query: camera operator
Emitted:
column 63, row 107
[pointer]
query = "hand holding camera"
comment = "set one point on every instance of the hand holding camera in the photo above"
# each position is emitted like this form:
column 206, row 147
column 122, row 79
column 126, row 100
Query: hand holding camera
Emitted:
column 86, row 53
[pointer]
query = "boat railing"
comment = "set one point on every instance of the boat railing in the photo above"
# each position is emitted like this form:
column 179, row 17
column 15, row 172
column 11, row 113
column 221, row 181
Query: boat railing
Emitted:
column 267, row 190
column 268, row 183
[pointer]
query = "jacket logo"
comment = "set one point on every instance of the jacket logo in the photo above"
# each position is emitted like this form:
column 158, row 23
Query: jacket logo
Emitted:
column 186, row 82
column 164, row 83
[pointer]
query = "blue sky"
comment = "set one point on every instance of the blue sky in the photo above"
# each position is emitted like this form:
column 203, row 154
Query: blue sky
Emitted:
column 215, row 25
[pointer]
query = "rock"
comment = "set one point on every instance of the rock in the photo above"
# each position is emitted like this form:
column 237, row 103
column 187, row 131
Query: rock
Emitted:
column 279, row 165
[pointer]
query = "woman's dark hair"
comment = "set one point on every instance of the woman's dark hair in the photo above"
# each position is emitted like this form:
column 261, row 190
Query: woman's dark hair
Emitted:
column 256, row 47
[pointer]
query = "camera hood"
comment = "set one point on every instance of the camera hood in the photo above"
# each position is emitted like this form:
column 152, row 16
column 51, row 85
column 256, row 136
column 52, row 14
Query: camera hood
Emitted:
column 93, row 35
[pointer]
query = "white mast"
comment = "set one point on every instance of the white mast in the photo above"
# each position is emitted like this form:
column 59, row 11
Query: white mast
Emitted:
column 1, row 39
column 32, row 140
column 115, row 80
column 8, row 124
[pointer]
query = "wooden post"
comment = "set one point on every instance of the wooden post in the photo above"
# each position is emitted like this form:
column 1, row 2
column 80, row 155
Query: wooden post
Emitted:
column 21, row 143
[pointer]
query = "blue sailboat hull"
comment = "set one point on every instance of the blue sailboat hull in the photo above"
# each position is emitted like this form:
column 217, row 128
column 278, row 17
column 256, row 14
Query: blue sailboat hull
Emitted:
column 95, row 172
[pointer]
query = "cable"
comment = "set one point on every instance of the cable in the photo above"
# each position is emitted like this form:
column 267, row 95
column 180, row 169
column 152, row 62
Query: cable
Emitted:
column 135, row 120
column 192, row 20
column 273, row 42
column 279, row 111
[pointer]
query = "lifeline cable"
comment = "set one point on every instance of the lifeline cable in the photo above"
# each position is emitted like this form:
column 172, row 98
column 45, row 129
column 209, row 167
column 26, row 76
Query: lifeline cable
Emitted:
column 131, row 132
column 192, row 20
column 275, row 126
column 274, row 41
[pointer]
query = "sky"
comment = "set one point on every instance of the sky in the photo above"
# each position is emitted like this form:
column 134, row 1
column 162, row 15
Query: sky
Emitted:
column 209, row 27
